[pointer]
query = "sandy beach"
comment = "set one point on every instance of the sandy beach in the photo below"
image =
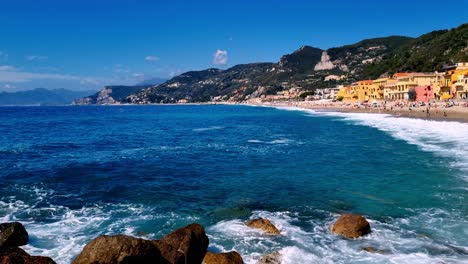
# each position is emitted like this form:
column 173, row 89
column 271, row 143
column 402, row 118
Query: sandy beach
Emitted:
column 439, row 111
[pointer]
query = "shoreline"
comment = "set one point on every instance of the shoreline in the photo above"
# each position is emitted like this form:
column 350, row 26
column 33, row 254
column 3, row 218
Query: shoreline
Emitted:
column 438, row 113
column 452, row 114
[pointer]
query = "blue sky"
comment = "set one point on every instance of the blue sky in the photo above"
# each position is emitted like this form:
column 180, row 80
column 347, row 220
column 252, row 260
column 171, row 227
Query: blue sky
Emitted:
column 85, row 44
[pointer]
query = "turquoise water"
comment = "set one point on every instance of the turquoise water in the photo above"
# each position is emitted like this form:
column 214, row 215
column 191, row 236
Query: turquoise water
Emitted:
column 72, row 173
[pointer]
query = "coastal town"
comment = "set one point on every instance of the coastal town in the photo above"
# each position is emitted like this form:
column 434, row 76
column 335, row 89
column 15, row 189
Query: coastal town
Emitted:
column 452, row 84
column 435, row 95
column 410, row 86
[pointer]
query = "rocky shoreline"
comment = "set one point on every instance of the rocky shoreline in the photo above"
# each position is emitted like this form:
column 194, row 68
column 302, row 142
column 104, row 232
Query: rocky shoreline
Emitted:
column 188, row 244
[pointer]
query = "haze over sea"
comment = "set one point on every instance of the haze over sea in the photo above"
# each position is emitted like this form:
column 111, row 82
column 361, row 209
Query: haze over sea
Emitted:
column 72, row 173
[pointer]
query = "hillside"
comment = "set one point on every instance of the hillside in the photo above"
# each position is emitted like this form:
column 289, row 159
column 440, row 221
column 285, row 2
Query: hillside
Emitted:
column 109, row 95
column 429, row 52
column 309, row 68
column 41, row 96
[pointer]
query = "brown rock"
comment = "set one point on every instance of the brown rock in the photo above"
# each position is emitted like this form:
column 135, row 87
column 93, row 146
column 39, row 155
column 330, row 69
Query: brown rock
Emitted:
column 263, row 224
column 19, row 256
column 272, row 258
column 119, row 249
column 13, row 235
column 223, row 258
column 351, row 226
column 374, row 250
column 184, row 245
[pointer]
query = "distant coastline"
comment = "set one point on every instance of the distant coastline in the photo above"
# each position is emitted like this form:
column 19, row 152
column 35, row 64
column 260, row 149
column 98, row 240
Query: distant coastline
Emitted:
column 457, row 113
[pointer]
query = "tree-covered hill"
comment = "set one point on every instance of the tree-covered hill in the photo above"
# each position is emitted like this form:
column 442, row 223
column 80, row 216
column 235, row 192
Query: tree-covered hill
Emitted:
column 309, row 68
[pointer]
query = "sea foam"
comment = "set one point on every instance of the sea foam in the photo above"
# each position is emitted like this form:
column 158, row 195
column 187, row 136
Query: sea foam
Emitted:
column 61, row 232
column 443, row 138
column 314, row 243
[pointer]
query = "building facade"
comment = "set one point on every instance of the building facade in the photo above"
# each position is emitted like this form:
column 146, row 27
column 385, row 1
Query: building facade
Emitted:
column 424, row 93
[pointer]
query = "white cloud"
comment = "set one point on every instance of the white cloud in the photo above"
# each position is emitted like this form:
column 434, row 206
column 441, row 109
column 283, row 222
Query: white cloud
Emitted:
column 220, row 57
column 119, row 68
column 35, row 57
column 151, row 58
column 12, row 78
column 9, row 86
column 7, row 68
column 18, row 77
column 9, row 74
column 3, row 56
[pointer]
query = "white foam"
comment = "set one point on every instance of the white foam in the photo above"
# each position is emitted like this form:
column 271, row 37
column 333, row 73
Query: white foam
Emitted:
column 294, row 255
column 65, row 231
column 280, row 141
column 255, row 141
column 207, row 128
column 443, row 138
column 315, row 244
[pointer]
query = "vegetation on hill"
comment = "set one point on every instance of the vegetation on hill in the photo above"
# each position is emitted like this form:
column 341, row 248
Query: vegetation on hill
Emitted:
column 110, row 95
column 310, row 68
column 429, row 52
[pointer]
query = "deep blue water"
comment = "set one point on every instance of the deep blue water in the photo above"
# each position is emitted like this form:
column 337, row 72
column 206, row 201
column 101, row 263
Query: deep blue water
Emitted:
column 72, row 173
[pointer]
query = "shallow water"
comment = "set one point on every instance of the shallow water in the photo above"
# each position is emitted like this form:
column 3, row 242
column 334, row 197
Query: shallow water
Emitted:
column 72, row 173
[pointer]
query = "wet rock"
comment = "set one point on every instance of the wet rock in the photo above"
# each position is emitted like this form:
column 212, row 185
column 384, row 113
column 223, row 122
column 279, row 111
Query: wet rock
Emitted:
column 223, row 258
column 263, row 224
column 13, row 235
column 351, row 226
column 271, row 258
column 184, row 245
column 19, row 256
column 119, row 249
column 374, row 250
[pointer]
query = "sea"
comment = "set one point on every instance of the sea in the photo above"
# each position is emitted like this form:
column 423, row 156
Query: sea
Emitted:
column 71, row 173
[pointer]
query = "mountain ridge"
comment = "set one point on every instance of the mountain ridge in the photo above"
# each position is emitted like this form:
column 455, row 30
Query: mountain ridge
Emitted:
column 309, row 68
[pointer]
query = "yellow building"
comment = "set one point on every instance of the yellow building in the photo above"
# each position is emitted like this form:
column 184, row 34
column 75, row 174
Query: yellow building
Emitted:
column 445, row 84
column 438, row 85
column 457, row 80
column 341, row 92
column 363, row 89
column 393, row 88
column 447, row 89
column 400, row 86
column 460, row 87
column 377, row 89
column 350, row 94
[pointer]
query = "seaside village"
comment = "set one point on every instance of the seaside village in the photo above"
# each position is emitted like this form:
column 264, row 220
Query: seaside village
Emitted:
column 448, row 86
column 411, row 86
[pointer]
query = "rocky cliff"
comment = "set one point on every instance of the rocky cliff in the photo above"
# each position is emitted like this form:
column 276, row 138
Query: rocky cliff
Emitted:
column 109, row 95
column 306, row 69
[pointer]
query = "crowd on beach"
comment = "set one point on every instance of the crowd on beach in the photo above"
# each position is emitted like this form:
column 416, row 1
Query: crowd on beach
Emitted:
column 434, row 109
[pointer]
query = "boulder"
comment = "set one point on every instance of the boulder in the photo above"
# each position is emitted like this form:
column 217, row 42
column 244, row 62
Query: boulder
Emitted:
column 351, row 226
column 223, row 258
column 16, row 255
column 119, row 249
column 13, row 235
column 374, row 250
column 185, row 245
column 271, row 258
column 263, row 224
